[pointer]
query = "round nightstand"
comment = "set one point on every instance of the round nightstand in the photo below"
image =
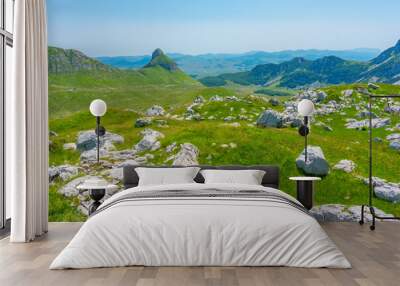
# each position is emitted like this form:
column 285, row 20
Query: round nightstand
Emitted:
column 97, row 189
column 305, row 190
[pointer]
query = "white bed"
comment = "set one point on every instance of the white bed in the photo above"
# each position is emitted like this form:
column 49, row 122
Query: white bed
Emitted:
column 200, row 231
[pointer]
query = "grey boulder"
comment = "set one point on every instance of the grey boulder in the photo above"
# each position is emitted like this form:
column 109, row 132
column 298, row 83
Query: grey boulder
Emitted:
column 376, row 123
column 91, row 155
column 270, row 118
column 345, row 165
column 69, row 146
column 341, row 213
column 142, row 122
column 389, row 192
column 155, row 110
column 64, row 172
column 149, row 141
column 87, row 140
column 70, row 189
column 316, row 164
column 186, row 156
column 347, row 92
column 395, row 145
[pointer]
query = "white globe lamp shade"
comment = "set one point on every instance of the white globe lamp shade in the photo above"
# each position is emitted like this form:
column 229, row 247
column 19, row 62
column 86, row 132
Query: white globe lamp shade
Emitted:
column 98, row 107
column 305, row 107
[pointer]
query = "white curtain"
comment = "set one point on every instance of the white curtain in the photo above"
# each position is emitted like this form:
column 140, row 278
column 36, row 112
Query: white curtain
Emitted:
column 27, row 124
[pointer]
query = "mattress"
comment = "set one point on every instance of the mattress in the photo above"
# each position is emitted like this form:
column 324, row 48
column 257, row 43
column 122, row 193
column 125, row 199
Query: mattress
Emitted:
column 201, row 225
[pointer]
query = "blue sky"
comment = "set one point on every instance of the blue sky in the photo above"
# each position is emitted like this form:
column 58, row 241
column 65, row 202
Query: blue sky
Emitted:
column 137, row 27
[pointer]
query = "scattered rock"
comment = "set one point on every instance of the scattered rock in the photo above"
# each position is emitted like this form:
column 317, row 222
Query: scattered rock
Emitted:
column 341, row 213
column 116, row 174
column 155, row 110
column 270, row 118
column 127, row 163
column 392, row 108
column 149, row 140
column 70, row 189
column 229, row 118
column 91, row 155
column 187, row 156
column 345, row 165
column 233, row 145
column 313, row 95
column 394, row 136
column 64, row 172
column 389, row 192
column 216, row 98
column 123, row 154
column 316, row 164
column 365, row 114
column 395, row 145
column 171, row 147
column 87, row 140
column 199, row 99
column 69, row 146
column 347, row 92
column 385, row 190
column 234, row 124
column 376, row 123
column 231, row 98
column 274, row 102
column 142, row 122
column 394, row 141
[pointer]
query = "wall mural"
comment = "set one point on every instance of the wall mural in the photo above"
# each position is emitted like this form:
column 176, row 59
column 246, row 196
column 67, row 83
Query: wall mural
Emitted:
column 169, row 108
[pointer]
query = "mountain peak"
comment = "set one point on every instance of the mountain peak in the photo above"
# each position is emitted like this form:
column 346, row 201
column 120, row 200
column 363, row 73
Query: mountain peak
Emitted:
column 397, row 46
column 157, row 52
column 158, row 58
column 69, row 60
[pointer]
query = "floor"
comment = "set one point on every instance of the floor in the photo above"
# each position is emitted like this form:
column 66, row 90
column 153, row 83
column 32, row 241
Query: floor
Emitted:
column 375, row 257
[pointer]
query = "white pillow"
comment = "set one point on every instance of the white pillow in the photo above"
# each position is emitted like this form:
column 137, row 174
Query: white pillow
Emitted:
column 247, row 177
column 166, row 176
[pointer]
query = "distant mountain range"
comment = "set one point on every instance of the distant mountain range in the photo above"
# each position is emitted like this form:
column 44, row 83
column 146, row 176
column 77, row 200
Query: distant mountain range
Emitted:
column 296, row 73
column 215, row 64
column 300, row 72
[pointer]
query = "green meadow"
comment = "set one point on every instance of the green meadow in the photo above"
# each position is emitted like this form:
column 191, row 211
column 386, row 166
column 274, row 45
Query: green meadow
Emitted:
column 129, row 93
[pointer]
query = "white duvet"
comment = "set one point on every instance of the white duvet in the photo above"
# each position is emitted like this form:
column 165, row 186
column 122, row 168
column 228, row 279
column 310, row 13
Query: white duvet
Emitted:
column 200, row 231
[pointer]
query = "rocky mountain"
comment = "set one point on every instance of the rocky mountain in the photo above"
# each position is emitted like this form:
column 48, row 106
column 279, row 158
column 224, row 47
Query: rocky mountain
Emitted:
column 300, row 72
column 158, row 58
column 385, row 67
column 215, row 64
column 63, row 61
column 297, row 72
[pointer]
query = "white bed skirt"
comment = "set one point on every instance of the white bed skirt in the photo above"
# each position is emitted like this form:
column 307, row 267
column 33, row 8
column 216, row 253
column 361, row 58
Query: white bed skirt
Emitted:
column 200, row 232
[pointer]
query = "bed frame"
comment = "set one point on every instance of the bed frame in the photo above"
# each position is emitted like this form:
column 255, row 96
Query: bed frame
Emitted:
column 270, row 179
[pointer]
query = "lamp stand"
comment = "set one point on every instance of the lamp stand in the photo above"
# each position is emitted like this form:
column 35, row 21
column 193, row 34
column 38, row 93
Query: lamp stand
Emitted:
column 98, row 137
column 371, row 184
column 305, row 139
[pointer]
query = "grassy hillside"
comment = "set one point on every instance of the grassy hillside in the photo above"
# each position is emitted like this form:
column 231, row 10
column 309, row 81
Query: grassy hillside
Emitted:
column 129, row 89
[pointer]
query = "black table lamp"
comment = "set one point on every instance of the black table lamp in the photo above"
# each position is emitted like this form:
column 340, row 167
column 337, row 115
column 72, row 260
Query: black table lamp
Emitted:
column 98, row 108
column 305, row 108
